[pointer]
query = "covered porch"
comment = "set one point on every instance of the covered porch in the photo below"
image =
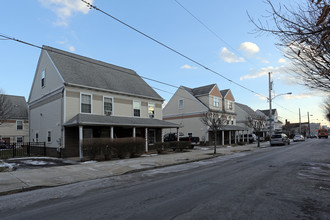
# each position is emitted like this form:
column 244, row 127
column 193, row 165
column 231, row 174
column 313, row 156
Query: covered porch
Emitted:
column 84, row 126
column 230, row 134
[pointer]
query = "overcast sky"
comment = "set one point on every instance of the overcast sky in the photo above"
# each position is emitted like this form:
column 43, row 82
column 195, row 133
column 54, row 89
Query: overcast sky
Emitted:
column 222, row 40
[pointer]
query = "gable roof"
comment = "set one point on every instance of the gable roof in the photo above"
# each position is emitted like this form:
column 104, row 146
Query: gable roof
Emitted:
column 17, row 106
column 199, row 91
column 247, row 109
column 87, row 72
column 224, row 92
column 266, row 112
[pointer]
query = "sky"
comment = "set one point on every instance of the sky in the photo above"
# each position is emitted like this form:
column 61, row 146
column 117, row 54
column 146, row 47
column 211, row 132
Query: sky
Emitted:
column 214, row 34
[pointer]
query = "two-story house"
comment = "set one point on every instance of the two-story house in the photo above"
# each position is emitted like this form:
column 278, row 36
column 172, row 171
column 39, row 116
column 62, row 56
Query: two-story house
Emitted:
column 275, row 122
column 75, row 97
column 14, row 123
column 187, row 106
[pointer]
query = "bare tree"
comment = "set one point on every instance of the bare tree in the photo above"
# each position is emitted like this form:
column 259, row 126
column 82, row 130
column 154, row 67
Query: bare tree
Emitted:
column 215, row 121
column 5, row 107
column 304, row 34
column 326, row 108
column 257, row 122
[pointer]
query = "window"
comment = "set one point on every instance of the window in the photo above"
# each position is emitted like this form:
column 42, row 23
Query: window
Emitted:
column 136, row 108
column 19, row 125
column 86, row 103
column 151, row 110
column 230, row 105
column 107, row 106
column 37, row 136
column 49, row 136
column 19, row 140
column 181, row 104
column 43, row 75
column 216, row 101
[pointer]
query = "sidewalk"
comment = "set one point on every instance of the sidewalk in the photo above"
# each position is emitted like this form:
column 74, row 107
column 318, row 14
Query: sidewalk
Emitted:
column 28, row 179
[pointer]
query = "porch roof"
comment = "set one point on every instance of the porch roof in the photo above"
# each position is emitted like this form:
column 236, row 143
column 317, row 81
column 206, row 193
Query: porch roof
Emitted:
column 233, row 128
column 102, row 120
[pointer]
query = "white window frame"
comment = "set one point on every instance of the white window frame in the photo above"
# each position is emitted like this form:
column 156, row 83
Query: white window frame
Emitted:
column 89, row 94
column 154, row 104
column 49, row 132
column 35, row 136
column 230, row 105
column 181, row 106
column 19, row 137
column 216, row 103
column 108, row 97
column 17, row 125
column 43, row 78
column 137, row 101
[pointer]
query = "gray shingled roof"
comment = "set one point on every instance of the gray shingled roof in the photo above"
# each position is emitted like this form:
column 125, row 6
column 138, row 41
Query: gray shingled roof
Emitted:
column 266, row 112
column 224, row 92
column 247, row 109
column 87, row 119
column 203, row 90
column 79, row 70
column 17, row 106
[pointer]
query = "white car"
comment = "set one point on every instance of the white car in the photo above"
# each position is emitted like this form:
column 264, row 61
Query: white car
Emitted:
column 298, row 137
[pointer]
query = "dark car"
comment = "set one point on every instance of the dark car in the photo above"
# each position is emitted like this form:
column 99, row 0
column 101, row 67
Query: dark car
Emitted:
column 279, row 139
column 174, row 137
column 252, row 138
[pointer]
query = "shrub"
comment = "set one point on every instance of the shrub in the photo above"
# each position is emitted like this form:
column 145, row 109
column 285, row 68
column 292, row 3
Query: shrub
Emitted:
column 107, row 148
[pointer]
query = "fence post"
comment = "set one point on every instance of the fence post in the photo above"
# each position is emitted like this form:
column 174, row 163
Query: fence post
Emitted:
column 14, row 149
column 28, row 149
column 44, row 148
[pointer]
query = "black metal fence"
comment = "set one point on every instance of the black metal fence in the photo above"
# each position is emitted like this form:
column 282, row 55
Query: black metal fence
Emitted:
column 23, row 150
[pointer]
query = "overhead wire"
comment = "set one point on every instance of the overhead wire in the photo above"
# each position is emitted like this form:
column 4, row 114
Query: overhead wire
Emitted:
column 91, row 6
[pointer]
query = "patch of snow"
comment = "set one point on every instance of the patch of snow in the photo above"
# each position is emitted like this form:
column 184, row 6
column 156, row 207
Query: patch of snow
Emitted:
column 148, row 155
column 37, row 162
column 90, row 161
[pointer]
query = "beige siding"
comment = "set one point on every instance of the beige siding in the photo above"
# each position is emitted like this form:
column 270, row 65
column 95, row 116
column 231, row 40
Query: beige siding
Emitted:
column 122, row 105
column 8, row 129
column 191, row 104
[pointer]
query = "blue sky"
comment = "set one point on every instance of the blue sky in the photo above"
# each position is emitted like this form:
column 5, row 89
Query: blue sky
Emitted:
column 235, row 52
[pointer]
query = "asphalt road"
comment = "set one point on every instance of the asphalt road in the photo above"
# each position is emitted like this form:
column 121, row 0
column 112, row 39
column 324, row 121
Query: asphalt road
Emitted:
column 289, row 182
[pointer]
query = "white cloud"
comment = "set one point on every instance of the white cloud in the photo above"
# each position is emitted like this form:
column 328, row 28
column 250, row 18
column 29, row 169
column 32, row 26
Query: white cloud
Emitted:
column 186, row 66
column 265, row 61
column 72, row 48
column 230, row 57
column 249, row 48
column 281, row 60
column 261, row 97
column 65, row 8
column 263, row 72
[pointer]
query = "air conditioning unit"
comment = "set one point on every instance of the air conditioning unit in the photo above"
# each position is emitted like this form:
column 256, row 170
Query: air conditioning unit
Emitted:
column 108, row 112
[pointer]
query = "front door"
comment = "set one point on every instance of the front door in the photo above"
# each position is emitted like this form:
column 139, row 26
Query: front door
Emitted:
column 151, row 136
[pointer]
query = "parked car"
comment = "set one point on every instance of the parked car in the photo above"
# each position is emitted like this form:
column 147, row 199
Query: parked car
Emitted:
column 173, row 137
column 298, row 137
column 279, row 139
column 252, row 138
column 323, row 133
column 3, row 145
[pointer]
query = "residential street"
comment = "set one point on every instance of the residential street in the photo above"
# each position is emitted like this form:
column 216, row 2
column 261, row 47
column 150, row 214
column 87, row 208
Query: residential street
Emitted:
column 285, row 182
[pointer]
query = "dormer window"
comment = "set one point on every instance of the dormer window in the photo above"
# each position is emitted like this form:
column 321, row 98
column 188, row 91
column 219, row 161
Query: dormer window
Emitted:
column 151, row 110
column 136, row 108
column 230, row 105
column 43, row 76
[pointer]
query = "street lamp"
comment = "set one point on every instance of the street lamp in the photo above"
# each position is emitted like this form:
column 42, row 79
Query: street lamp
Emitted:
column 270, row 105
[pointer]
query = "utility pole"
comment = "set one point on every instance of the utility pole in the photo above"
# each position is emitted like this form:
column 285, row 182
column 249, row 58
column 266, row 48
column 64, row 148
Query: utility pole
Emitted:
column 270, row 106
column 299, row 122
column 309, row 126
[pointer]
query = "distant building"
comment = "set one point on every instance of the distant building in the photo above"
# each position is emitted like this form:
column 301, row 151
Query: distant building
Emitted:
column 187, row 106
column 303, row 128
column 14, row 123
column 275, row 123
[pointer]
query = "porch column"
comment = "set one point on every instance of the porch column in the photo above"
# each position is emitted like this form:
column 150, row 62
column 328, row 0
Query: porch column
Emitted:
column 111, row 132
column 177, row 134
column 162, row 133
column 146, row 134
column 243, row 136
column 223, row 138
column 230, row 137
column 236, row 137
column 134, row 132
column 80, row 142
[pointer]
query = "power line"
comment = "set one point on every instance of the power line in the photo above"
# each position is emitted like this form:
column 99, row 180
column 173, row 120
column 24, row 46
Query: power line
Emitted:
column 103, row 65
column 213, row 32
column 170, row 48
